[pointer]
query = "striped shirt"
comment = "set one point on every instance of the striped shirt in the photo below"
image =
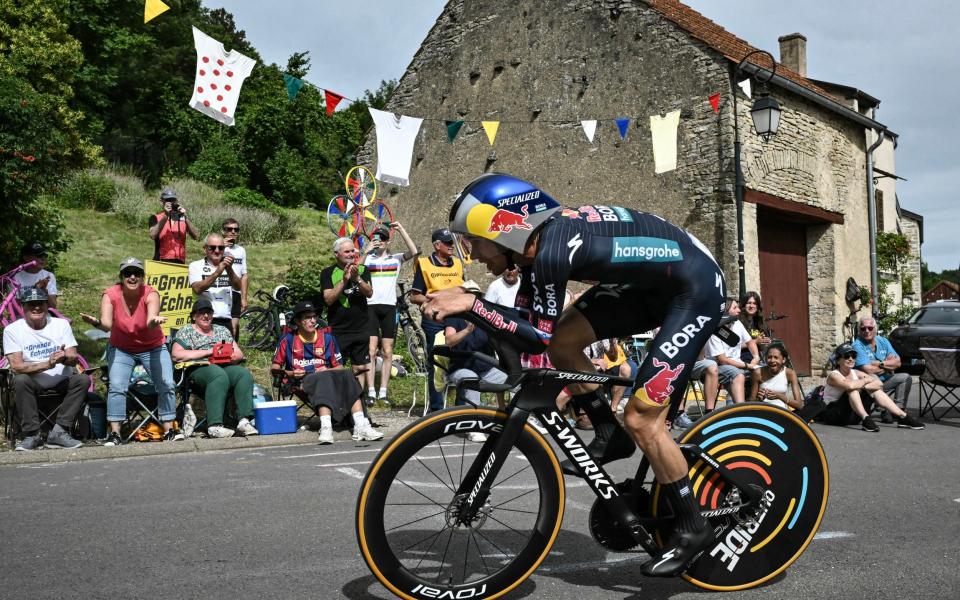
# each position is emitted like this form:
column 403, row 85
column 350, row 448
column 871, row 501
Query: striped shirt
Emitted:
column 384, row 272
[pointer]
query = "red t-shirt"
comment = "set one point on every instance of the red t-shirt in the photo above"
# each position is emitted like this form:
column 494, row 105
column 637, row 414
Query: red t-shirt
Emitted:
column 130, row 332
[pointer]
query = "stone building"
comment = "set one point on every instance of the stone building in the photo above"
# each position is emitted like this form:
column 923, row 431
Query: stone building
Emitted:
column 539, row 67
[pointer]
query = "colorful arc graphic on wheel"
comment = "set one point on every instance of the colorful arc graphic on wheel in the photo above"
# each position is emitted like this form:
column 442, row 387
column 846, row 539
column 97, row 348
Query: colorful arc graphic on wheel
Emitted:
column 764, row 448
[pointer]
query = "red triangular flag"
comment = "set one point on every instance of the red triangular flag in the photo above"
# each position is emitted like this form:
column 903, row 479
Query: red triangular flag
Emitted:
column 332, row 99
column 715, row 102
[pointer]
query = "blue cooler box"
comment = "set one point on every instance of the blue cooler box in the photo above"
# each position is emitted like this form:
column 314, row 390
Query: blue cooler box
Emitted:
column 276, row 417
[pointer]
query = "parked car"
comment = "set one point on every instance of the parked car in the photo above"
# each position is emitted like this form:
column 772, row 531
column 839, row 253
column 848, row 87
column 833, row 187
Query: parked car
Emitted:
column 941, row 319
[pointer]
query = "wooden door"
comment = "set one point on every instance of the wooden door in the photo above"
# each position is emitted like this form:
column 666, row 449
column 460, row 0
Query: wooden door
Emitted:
column 783, row 283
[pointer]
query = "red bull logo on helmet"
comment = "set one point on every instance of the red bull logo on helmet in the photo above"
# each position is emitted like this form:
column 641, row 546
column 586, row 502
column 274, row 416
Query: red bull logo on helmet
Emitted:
column 659, row 387
column 504, row 220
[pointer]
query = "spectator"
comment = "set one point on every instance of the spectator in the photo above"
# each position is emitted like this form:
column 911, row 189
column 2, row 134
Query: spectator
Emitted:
column 169, row 229
column 751, row 316
column 707, row 372
column 42, row 353
column 464, row 336
column 775, row 382
column 503, row 289
column 384, row 269
column 130, row 311
column 730, row 368
column 238, row 297
column 194, row 343
column 877, row 357
column 850, row 394
column 607, row 357
column 37, row 276
column 346, row 288
column 214, row 278
column 310, row 359
column 439, row 271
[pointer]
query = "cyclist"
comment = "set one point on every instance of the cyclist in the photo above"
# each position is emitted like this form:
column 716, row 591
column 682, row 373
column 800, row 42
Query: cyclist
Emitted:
column 647, row 273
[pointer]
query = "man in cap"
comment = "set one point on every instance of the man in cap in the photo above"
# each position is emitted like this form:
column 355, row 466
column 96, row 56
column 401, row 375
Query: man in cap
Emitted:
column 169, row 229
column 876, row 356
column 310, row 359
column 384, row 270
column 439, row 271
column 42, row 353
column 35, row 275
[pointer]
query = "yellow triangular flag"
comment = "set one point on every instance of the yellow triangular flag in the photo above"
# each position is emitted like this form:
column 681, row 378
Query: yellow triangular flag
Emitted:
column 491, row 128
column 153, row 9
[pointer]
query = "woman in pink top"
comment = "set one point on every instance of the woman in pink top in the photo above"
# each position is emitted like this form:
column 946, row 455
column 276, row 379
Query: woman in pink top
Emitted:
column 130, row 312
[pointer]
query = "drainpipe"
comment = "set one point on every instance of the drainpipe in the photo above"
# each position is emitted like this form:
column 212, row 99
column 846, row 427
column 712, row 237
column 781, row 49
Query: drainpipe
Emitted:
column 872, row 216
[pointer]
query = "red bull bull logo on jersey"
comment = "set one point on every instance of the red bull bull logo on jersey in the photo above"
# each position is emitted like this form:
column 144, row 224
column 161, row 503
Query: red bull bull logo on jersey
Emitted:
column 504, row 220
column 659, row 387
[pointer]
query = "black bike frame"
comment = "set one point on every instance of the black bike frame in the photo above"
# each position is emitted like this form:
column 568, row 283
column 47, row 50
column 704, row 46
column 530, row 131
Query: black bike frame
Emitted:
column 537, row 396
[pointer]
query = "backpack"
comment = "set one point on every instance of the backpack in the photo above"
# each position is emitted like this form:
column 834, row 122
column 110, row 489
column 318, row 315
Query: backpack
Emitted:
column 814, row 398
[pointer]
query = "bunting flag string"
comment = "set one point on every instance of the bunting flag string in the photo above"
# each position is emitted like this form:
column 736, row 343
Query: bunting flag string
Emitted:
column 491, row 128
column 453, row 128
column 715, row 103
column 589, row 128
column 153, row 9
column 331, row 99
column 745, row 86
column 293, row 85
column 622, row 125
column 663, row 133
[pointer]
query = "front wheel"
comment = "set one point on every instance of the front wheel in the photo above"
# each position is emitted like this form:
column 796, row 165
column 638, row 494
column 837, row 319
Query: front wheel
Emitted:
column 256, row 327
column 407, row 512
column 776, row 453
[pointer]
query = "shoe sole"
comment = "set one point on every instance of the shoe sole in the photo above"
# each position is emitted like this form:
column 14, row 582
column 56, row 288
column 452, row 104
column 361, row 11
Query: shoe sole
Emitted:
column 914, row 427
column 55, row 447
column 870, row 430
column 366, row 438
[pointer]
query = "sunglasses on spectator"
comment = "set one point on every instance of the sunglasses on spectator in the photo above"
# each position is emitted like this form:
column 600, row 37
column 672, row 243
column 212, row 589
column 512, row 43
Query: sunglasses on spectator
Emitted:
column 866, row 328
column 131, row 273
column 235, row 229
column 849, row 355
column 450, row 243
column 216, row 248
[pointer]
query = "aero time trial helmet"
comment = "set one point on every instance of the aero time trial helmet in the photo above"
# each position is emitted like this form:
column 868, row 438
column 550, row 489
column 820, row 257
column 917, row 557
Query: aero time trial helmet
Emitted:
column 502, row 209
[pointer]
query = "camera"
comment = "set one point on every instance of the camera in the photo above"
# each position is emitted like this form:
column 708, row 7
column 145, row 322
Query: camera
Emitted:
column 175, row 209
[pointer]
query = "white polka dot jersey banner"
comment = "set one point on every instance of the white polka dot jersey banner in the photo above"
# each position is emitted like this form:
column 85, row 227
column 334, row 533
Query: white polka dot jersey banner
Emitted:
column 220, row 75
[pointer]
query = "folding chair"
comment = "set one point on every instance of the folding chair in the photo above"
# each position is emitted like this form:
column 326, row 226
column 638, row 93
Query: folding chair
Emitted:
column 940, row 380
column 48, row 406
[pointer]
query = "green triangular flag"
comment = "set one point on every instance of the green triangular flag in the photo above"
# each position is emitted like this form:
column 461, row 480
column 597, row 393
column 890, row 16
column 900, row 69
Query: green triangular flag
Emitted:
column 293, row 85
column 453, row 128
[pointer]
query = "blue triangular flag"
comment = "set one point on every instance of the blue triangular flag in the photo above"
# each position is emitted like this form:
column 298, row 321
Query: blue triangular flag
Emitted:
column 622, row 125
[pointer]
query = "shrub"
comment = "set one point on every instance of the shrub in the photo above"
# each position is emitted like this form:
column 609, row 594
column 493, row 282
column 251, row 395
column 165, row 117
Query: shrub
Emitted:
column 242, row 196
column 219, row 164
column 303, row 278
column 90, row 188
column 289, row 178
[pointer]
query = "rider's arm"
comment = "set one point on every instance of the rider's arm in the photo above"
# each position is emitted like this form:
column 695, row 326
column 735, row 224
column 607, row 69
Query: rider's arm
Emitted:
column 505, row 322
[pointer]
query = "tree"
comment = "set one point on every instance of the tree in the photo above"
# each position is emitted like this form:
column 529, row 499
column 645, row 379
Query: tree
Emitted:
column 40, row 133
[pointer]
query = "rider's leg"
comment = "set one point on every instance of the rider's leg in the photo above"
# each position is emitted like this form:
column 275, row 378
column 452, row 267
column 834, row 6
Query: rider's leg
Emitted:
column 573, row 334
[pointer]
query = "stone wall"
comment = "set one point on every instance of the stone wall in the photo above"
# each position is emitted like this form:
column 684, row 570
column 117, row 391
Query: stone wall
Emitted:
column 541, row 71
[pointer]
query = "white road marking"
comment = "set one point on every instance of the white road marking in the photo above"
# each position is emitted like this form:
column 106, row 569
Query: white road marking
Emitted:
column 832, row 535
column 349, row 472
column 956, row 499
column 330, row 453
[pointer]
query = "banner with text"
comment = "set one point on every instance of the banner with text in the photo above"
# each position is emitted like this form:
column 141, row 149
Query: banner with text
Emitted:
column 176, row 297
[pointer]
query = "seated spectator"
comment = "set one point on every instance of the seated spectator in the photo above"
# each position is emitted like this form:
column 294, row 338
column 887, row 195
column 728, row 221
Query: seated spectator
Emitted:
column 466, row 337
column 730, row 368
column 707, row 372
column 311, row 358
column 130, row 311
column 194, row 343
column 877, row 357
column 751, row 315
column 37, row 276
column 609, row 358
column 775, row 382
column 42, row 353
column 849, row 395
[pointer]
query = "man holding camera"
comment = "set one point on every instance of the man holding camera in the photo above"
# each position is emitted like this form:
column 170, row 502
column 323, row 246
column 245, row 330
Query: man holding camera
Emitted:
column 169, row 230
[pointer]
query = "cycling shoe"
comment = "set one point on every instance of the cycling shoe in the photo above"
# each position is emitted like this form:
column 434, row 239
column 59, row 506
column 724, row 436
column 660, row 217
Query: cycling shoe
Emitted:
column 676, row 556
column 605, row 448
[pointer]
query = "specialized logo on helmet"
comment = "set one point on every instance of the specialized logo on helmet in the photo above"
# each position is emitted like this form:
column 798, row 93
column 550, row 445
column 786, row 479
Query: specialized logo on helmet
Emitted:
column 504, row 220
column 660, row 386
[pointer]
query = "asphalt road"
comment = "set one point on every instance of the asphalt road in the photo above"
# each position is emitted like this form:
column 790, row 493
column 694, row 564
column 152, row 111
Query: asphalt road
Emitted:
column 278, row 523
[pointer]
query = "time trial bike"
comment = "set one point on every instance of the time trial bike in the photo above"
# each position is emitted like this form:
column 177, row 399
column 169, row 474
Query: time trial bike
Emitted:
column 440, row 517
